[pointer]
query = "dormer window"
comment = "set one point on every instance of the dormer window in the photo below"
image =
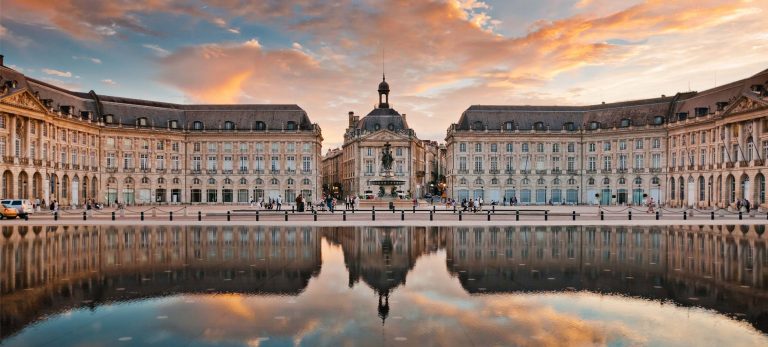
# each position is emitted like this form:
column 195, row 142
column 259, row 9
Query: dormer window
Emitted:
column 260, row 126
column 594, row 125
column 173, row 124
column 658, row 120
column 377, row 126
column 625, row 123
column 721, row 105
column 538, row 126
column 290, row 126
column 142, row 121
column 509, row 126
column 391, row 127
column 109, row 119
column 569, row 126
column 477, row 125
column 682, row 115
column 701, row 111
column 228, row 125
column 85, row 115
column 197, row 125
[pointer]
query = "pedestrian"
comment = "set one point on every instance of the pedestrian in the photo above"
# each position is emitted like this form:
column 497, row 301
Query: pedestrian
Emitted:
column 650, row 205
column 279, row 202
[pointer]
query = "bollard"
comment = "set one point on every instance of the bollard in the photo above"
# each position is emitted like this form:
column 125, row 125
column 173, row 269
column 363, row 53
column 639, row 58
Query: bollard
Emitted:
column 142, row 215
column 84, row 218
column 657, row 215
column 432, row 214
column 433, row 208
column 170, row 216
column 229, row 216
column 314, row 213
column 454, row 208
column 199, row 216
column 685, row 215
column 712, row 215
column 739, row 215
column 113, row 215
column 489, row 216
column 286, row 216
column 353, row 208
column 629, row 215
column 344, row 215
column 414, row 209
column 546, row 215
column 573, row 215
column 373, row 213
column 293, row 209
column 257, row 216
column 517, row 215
column 493, row 208
column 602, row 215
column 402, row 214
column 55, row 215
column 459, row 215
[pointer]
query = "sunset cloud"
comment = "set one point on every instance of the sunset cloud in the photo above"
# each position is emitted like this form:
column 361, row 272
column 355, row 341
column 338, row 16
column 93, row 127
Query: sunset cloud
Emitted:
column 440, row 55
column 57, row 72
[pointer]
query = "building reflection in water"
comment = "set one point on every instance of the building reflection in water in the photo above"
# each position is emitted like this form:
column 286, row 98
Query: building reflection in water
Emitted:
column 45, row 269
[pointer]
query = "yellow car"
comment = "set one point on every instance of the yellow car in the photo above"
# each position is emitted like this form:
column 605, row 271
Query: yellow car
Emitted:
column 8, row 212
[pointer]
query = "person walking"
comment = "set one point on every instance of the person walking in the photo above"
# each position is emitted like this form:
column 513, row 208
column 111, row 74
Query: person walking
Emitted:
column 279, row 202
column 650, row 205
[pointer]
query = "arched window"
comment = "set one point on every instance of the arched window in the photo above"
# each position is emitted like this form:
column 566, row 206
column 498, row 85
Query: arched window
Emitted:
column 145, row 180
column 494, row 181
column 128, row 180
column 197, row 125
column 638, row 180
column 274, row 181
column 538, row 126
column 509, row 126
column 211, row 180
column 260, row 126
column 258, row 181
column 591, row 181
column 196, row 181
column 622, row 180
column 306, row 182
column 391, row 127
column 540, row 181
column 160, row 180
column 556, row 181
column 525, row 181
column 463, row 181
column 227, row 181
column 290, row 125
column 672, row 188
column 478, row 125
column 376, row 126
column 243, row 181
column 290, row 181
column 478, row 180
column 228, row 125
column 176, row 180
column 606, row 181
column 571, row 181
column 510, row 181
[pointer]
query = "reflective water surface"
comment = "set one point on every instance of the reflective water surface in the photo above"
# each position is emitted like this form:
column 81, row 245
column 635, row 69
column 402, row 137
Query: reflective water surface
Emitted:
column 410, row 286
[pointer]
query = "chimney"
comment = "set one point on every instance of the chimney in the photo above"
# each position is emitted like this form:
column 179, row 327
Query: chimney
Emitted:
column 1, row 60
column 403, row 117
column 351, row 118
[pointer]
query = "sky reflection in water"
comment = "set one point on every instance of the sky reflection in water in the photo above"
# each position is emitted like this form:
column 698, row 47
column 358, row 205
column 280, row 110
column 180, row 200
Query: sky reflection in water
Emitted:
column 388, row 287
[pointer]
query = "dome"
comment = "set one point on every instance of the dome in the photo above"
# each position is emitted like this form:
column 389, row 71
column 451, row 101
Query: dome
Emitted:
column 383, row 86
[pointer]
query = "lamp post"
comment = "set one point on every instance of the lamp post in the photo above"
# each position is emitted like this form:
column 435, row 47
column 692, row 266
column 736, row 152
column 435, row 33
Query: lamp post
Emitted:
column 578, row 194
column 709, row 198
column 545, row 195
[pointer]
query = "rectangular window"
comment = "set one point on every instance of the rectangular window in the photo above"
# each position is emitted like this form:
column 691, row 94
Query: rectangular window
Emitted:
column 228, row 163
column 591, row 164
column 592, row 147
column 399, row 151
column 243, row 147
column 128, row 160
column 275, row 147
column 555, row 148
column 571, row 163
column 639, row 161
column 290, row 163
column 196, row 147
column 160, row 164
column 306, row 163
column 494, row 148
column 211, row 162
column 243, row 163
column 176, row 165
column 227, row 147
column 258, row 163
column 556, row 163
column 540, row 148
column 525, row 147
column 175, row 146
column 607, row 162
column 369, row 166
column 111, row 163
column 290, row 147
column 213, row 147
column 143, row 161
column 510, row 148
column 478, row 163
column 196, row 163
column 639, row 144
column 571, row 147
column 160, row 145
column 259, row 147
column 494, row 163
column 275, row 163
column 127, row 144
column 478, row 147
column 462, row 163
column 622, row 161
column 622, row 145
column 307, row 147
column 606, row 146
column 110, row 142
column 656, row 160
column 462, row 147
column 656, row 143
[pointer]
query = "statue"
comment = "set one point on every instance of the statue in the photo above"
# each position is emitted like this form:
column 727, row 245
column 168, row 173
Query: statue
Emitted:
column 386, row 158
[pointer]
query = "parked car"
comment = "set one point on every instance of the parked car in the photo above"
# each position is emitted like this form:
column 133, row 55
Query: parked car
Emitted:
column 8, row 212
column 23, row 206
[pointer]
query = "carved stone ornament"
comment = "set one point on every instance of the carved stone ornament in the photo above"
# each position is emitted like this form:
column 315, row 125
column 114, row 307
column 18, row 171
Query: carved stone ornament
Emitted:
column 24, row 100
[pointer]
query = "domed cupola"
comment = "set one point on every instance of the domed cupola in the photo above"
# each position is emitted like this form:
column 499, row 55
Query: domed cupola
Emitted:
column 383, row 92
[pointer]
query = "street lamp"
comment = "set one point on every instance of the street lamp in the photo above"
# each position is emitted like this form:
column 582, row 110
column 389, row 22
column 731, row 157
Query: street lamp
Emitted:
column 545, row 195
column 709, row 199
column 578, row 194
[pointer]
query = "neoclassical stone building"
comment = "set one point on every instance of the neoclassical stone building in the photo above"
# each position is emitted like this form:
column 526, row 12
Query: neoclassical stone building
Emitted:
column 73, row 146
column 364, row 140
column 618, row 152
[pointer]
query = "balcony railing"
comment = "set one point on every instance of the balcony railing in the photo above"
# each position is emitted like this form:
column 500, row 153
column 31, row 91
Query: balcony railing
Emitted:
column 655, row 170
column 290, row 171
column 556, row 171
column 129, row 169
column 160, row 171
column 243, row 170
column 525, row 172
column 541, row 172
column 306, row 172
column 729, row 165
column 175, row 171
column 605, row 171
column 211, row 171
column 226, row 172
column 638, row 170
column 144, row 170
column 743, row 163
column 65, row 166
column 258, row 172
column 759, row 162
column 37, row 162
column 691, row 167
column 571, row 172
column 24, row 161
column 493, row 172
column 111, row 169
column 8, row 158
column 275, row 172
column 591, row 172
column 509, row 171
column 195, row 171
column 463, row 172
column 621, row 170
column 478, row 172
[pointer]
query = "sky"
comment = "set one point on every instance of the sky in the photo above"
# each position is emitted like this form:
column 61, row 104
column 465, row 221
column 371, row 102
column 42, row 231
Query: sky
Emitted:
column 440, row 56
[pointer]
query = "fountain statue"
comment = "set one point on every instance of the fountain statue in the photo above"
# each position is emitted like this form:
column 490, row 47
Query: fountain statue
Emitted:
column 387, row 183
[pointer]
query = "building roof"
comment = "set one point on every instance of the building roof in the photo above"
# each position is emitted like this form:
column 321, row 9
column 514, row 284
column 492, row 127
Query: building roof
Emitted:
column 127, row 111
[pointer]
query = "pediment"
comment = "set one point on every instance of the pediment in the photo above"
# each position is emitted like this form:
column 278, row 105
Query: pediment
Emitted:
column 384, row 135
column 746, row 103
column 24, row 99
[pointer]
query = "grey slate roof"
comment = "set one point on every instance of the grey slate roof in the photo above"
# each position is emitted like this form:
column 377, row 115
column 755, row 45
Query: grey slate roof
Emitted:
column 127, row 111
column 384, row 117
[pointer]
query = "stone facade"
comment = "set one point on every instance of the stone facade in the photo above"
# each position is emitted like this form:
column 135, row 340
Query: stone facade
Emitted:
column 617, row 153
column 361, row 152
column 72, row 146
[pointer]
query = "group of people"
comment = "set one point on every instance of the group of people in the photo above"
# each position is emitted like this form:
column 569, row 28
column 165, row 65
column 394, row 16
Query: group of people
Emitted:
column 269, row 204
column 743, row 203
column 473, row 204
